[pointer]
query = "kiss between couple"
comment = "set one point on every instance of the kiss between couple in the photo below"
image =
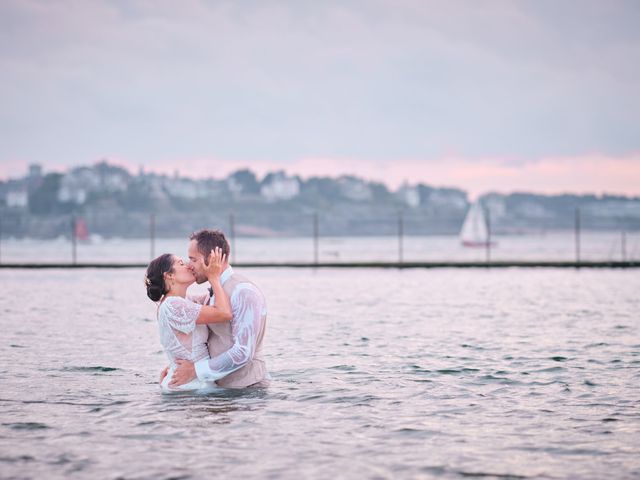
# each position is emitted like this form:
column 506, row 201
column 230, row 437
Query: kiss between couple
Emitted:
column 212, row 340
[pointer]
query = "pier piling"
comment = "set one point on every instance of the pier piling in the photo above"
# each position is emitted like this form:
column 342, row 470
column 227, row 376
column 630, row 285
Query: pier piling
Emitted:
column 152, row 235
column 488, row 245
column 400, row 237
column 73, row 241
column 232, row 234
column 577, row 235
column 315, row 239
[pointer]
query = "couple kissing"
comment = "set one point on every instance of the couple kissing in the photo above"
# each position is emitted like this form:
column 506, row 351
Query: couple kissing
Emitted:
column 211, row 340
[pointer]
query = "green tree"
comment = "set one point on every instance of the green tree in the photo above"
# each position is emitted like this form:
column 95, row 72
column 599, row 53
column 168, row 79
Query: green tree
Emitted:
column 44, row 199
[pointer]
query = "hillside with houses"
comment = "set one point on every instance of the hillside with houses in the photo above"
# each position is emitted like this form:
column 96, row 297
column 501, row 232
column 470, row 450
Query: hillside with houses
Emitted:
column 113, row 201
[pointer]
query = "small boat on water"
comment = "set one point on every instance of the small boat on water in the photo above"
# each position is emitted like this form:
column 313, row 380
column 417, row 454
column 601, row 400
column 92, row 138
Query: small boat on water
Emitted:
column 81, row 230
column 475, row 230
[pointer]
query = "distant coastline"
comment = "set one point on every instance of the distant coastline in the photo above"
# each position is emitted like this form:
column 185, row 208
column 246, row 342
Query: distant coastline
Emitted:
column 113, row 202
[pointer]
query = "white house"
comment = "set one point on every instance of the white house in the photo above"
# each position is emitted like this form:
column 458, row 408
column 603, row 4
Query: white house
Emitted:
column 355, row 188
column 448, row 198
column 182, row 188
column 76, row 185
column 278, row 186
column 18, row 198
column 409, row 195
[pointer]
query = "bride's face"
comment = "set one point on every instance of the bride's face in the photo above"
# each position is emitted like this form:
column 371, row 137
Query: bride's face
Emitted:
column 181, row 272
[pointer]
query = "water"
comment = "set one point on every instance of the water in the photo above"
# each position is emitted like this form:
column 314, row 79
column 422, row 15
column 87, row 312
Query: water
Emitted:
column 560, row 246
column 377, row 374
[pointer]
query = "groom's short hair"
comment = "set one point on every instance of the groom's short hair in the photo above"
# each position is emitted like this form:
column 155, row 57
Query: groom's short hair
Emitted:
column 207, row 240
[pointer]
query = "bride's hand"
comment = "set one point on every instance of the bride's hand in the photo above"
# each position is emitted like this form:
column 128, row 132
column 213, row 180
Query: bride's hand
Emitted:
column 216, row 263
column 163, row 374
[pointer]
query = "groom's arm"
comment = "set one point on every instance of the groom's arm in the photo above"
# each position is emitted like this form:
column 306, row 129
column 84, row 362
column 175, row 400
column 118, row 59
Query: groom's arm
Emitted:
column 248, row 308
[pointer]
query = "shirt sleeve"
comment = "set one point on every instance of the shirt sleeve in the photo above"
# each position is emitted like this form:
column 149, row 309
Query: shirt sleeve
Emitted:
column 181, row 314
column 248, row 306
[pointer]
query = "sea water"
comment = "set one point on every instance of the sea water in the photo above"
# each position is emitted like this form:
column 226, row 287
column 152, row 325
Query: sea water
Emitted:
column 542, row 246
column 440, row 373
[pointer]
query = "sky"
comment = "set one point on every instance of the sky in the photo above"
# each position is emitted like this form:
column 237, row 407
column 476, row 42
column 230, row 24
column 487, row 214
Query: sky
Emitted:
column 539, row 95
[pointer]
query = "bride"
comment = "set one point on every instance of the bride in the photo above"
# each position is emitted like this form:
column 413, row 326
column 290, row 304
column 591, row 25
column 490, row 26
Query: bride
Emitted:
column 181, row 320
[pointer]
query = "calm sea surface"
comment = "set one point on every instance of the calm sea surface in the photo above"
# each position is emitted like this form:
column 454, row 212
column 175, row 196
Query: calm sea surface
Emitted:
column 440, row 373
column 597, row 246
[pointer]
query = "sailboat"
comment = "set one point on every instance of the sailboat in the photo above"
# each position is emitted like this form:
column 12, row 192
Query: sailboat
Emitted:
column 475, row 231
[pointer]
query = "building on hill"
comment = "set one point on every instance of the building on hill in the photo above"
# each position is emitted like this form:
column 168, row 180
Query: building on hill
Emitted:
column 17, row 197
column 278, row 186
column 409, row 195
column 354, row 188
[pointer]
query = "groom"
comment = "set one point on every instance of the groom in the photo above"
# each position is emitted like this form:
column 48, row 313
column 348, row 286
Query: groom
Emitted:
column 235, row 347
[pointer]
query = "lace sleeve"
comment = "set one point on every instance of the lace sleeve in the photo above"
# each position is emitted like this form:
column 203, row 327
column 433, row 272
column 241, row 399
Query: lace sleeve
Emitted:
column 180, row 313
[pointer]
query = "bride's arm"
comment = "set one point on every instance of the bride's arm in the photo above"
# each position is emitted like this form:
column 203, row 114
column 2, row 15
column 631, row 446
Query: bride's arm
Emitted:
column 217, row 313
column 221, row 311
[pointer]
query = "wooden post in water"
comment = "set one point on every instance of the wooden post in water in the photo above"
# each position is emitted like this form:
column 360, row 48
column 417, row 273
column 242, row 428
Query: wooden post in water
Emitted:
column 488, row 246
column 623, row 245
column 232, row 234
column 73, row 240
column 400, row 237
column 152, row 235
column 315, row 238
column 577, row 235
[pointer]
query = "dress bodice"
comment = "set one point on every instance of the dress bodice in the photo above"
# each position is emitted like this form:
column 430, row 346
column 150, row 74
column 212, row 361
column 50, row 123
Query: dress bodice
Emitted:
column 180, row 337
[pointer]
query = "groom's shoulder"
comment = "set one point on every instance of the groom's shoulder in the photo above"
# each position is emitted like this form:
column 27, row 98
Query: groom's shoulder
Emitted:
column 240, row 282
column 239, row 278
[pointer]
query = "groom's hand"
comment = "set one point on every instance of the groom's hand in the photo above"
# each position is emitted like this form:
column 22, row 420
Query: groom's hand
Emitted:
column 184, row 373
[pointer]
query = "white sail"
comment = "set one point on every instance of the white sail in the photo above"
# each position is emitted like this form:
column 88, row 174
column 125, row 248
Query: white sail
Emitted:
column 474, row 230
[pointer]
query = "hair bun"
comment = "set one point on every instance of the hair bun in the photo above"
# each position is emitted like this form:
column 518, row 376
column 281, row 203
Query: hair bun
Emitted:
column 155, row 290
column 154, row 278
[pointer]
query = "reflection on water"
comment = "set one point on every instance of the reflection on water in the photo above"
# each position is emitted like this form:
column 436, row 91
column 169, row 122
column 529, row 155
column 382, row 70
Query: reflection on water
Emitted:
column 376, row 374
column 215, row 408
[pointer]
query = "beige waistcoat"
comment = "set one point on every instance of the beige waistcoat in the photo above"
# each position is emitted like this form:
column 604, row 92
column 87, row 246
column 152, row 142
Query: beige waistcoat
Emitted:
column 221, row 339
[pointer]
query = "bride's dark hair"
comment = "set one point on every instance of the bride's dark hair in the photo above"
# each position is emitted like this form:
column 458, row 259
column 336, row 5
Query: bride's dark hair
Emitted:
column 154, row 279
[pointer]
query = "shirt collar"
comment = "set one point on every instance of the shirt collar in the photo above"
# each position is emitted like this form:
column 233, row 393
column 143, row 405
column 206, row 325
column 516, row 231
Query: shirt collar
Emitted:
column 226, row 274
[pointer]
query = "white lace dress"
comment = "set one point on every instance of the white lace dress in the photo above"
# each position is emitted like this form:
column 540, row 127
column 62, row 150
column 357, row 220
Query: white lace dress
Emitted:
column 182, row 339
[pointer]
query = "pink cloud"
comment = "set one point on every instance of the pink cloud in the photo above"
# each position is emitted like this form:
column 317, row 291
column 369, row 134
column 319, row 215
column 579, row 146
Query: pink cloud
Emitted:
column 578, row 174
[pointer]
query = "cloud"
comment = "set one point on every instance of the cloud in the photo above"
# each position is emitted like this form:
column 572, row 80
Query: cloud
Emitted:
column 270, row 84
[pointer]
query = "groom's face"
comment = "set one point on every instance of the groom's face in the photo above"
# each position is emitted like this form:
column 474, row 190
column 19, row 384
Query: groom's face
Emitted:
column 195, row 262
